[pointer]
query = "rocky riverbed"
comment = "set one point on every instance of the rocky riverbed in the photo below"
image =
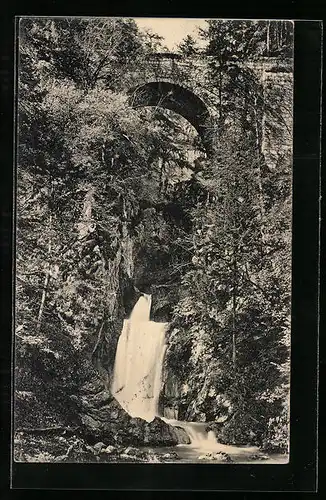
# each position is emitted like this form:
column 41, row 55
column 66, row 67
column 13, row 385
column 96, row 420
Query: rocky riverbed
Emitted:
column 74, row 449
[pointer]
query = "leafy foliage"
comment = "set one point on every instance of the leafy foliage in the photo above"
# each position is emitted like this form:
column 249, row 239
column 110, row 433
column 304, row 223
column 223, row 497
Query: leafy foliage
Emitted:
column 113, row 200
column 232, row 326
column 188, row 46
column 248, row 39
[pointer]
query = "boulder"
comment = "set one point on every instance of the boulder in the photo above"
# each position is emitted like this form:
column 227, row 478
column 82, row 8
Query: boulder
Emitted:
column 170, row 456
column 153, row 458
column 158, row 433
column 98, row 446
column 109, row 450
column 221, row 456
column 182, row 436
column 258, row 456
column 105, row 422
column 224, row 457
column 134, row 452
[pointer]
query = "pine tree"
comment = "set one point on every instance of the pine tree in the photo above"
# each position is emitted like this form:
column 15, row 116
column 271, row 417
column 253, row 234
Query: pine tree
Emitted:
column 188, row 47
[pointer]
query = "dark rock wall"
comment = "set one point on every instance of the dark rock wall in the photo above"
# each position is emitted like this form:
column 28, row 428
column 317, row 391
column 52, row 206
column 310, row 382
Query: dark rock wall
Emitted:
column 142, row 265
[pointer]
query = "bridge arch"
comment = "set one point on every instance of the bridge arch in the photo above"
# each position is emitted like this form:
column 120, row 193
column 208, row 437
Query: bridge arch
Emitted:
column 179, row 99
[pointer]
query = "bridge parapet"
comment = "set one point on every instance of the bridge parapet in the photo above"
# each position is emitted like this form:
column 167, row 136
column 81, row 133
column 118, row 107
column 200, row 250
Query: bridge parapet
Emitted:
column 193, row 72
column 200, row 60
column 183, row 84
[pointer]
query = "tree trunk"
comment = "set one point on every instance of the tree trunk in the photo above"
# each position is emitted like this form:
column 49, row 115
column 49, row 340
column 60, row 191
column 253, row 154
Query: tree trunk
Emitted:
column 234, row 296
column 257, row 131
column 220, row 96
column 46, row 281
column 86, row 219
column 234, row 305
column 263, row 125
column 162, row 182
column 103, row 149
column 268, row 38
column 278, row 35
column 48, row 430
column 259, row 173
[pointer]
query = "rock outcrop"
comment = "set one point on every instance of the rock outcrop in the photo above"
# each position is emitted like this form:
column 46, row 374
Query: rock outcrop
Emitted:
column 103, row 419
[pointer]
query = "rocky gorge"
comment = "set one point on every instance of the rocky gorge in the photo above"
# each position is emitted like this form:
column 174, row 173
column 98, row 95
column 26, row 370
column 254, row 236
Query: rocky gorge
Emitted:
column 116, row 202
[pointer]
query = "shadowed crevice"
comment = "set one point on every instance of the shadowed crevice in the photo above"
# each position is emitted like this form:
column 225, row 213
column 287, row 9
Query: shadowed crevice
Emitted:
column 178, row 99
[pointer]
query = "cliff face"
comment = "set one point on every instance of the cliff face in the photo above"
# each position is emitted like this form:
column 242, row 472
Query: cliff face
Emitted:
column 144, row 249
column 144, row 263
column 131, row 272
column 116, row 201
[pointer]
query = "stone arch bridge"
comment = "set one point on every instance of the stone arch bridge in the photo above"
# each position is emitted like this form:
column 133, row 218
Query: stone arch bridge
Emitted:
column 179, row 83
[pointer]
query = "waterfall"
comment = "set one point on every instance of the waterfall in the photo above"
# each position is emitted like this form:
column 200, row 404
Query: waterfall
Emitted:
column 138, row 362
column 137, row 377
column 138, row 370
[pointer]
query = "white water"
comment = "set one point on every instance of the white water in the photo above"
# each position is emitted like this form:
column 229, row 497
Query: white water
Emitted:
column 204, row 441
column 137, row 377
column 138, row 363
column 197, row 433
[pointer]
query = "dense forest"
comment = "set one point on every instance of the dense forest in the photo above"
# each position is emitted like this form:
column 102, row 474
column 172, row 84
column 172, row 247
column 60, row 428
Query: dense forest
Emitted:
column 114, row 201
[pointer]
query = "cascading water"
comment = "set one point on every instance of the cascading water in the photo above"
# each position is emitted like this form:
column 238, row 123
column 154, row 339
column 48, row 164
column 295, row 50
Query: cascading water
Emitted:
column 197, row 433
column 138, row 370
column 138, row 363
column 137, row 379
